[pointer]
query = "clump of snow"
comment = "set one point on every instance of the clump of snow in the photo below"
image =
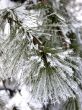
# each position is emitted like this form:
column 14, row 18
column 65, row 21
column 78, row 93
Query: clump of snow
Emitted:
column 7, row 30
column 23, row 101
column 6, row 3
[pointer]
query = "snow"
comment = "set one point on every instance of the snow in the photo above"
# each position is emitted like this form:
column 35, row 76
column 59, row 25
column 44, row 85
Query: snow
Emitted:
column 75, row 8
column 19, row 102
column 7, row 30
column 23, row 100
column 6, row 3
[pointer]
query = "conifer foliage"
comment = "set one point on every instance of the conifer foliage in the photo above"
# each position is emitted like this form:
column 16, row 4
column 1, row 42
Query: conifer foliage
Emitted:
column 39, row 47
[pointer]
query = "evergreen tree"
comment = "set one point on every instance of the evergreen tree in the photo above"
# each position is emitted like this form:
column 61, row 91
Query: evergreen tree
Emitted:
column 39, row 47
